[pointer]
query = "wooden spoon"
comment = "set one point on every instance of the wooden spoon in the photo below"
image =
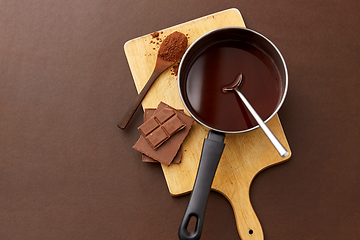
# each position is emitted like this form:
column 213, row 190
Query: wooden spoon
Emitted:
column 171, row 50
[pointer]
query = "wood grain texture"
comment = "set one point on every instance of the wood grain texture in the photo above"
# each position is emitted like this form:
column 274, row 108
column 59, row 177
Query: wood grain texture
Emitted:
column 245, row 154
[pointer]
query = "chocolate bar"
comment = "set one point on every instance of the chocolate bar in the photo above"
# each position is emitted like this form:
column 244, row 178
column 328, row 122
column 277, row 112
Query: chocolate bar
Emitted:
column 167, row 152
column 148, row 112
column 161, row 126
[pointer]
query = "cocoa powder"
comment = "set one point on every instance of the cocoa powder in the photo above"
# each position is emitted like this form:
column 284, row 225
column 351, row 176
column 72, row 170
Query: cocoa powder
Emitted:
column 175, row 69
column 173, row 47
column 155, row 34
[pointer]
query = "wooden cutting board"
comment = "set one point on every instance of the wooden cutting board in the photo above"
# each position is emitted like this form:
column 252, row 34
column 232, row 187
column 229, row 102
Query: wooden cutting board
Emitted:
column 245, row 154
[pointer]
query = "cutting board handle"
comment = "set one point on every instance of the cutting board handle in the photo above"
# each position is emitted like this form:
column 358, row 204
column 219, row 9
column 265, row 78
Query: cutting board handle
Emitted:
column 213, row 147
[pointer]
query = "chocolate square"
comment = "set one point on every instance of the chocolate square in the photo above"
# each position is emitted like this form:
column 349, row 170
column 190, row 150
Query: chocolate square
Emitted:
column 157, row 137
column 173, row 125
column 164, row 115
column 147, row 127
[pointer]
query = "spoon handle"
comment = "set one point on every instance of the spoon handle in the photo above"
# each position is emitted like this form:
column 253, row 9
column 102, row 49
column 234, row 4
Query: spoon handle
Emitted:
column 279, row 147
column 130, row 113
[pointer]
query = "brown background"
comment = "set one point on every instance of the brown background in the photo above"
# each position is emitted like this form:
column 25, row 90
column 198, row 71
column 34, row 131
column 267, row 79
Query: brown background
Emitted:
column 67, row 171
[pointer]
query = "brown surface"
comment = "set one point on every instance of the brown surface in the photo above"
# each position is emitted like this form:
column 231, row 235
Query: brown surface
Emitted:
column 68, row 172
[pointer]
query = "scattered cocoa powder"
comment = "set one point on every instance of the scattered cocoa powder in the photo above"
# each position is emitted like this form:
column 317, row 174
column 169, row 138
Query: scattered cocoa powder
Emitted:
column 155, row 34
column 175, row 69
column 173, row 47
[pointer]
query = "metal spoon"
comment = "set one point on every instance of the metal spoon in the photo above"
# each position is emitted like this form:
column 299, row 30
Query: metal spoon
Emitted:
column 235, row 87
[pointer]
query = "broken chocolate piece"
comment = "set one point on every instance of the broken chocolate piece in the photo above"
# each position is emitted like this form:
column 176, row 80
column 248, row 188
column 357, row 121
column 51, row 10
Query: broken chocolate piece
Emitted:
column 148, row 112
column 161, row 126
column 168, row 150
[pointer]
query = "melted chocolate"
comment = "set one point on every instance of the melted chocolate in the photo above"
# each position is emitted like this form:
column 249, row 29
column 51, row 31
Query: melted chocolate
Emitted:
column 217, row 67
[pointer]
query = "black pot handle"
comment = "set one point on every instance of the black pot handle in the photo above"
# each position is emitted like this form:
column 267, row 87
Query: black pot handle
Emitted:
column 210, row 156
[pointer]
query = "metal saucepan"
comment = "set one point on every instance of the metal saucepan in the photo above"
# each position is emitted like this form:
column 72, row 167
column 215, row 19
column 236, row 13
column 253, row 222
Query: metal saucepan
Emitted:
column 210, row 63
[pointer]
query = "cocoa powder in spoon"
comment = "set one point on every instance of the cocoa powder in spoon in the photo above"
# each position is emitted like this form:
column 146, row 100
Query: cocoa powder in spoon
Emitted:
column 173, row 47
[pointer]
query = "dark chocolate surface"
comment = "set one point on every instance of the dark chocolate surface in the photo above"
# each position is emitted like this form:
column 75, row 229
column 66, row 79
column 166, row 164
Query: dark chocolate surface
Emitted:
column 68, row 172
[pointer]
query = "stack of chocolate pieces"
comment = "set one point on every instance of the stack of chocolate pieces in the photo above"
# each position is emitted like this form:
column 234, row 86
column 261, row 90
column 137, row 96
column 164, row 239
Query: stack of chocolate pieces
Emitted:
column 163, row 131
